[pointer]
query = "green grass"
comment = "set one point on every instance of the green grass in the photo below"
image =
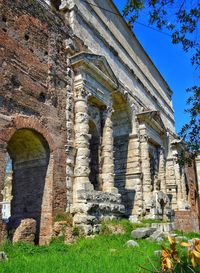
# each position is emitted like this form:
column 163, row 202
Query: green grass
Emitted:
column 101, row 254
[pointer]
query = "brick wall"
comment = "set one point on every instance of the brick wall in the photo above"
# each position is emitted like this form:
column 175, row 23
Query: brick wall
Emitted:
column 186, row 221
column 190, row 220
column 34, row 80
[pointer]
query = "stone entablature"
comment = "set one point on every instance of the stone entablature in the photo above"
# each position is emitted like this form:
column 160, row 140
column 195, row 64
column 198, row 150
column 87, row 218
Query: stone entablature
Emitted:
column 109, row 36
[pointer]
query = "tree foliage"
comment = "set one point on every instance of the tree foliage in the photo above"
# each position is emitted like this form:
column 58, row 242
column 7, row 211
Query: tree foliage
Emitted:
column 180, row 18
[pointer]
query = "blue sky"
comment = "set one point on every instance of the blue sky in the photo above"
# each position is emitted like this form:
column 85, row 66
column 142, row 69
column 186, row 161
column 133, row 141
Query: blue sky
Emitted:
column 171, row 61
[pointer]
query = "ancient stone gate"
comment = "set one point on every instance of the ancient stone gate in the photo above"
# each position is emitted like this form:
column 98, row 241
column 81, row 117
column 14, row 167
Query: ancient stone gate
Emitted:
column 85, row 117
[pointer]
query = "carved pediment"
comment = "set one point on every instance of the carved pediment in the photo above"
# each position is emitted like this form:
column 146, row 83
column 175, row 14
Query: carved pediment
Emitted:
column 152, row 118
column 96, row 65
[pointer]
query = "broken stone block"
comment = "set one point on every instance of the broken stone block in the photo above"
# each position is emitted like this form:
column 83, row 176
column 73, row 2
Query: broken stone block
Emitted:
column 157, row 235
column 59, row 228
column 69, row 236
column 134, row 219
column 25, row 232
column 141, row 233
column 131, row 243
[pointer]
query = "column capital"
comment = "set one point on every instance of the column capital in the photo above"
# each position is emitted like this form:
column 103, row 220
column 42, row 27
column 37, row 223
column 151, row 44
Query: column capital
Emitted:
column 81, row 94
column 107, row 113
column 144, row 138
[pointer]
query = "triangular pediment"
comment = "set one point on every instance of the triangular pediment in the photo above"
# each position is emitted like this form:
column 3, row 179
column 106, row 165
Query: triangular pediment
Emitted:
column 153, row 118
column 97, row 63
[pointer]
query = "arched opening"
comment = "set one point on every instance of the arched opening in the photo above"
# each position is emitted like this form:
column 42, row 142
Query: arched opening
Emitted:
column 30, row 154
column 154, row 166
column 55, row 3
column 94, row 156
column 123, row 151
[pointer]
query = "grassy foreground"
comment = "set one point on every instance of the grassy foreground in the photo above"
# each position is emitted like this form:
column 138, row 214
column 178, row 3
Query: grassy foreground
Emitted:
column 101, row 254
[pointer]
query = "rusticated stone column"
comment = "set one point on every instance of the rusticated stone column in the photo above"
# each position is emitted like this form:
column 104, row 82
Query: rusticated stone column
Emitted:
column 107, row 154
column 147, row 187
column 70, row 150
column 161, row 175
column 180, row 178
column 82, row 137
column 184, row 192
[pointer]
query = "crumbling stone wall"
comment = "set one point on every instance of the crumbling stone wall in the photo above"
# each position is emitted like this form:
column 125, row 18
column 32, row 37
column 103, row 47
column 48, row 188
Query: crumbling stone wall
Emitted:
column 189, row 220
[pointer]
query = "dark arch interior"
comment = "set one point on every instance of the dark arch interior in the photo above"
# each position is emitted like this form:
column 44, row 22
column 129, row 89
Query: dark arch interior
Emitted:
column 29, row 153
column 55, row 3
column 94, row 156
column 122, row 127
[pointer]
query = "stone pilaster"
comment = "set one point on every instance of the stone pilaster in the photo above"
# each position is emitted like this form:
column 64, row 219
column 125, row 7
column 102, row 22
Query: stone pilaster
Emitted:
column 180, row 178
column 145, row 159
column 134, row 178
column 171, row 181
column 70, row 150
column 184, row 193
column 161, row 173
column 107, row 163
column 82, row 137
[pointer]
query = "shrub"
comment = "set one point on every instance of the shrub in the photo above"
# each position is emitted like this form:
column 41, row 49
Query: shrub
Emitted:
column 64, row 216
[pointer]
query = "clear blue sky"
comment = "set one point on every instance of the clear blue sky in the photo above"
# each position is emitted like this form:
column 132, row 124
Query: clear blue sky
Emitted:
column 171, row 61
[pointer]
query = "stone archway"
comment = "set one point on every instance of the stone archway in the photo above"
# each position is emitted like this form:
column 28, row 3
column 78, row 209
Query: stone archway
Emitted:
column 50, row 193
column 123, row 151
column 94, row 156
column 30, row 155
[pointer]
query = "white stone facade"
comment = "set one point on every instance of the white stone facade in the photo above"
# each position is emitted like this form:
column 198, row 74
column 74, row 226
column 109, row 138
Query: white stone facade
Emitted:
column 121, row 152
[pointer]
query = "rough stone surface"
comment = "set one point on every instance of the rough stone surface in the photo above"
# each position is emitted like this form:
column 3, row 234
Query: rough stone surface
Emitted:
column 141, row 233
column 131, row 243
column 163, row 227
column 25, row 232
column 115, row 229
column 70, row 238
column 63, row 229
column 157, row 235
column 59, row 228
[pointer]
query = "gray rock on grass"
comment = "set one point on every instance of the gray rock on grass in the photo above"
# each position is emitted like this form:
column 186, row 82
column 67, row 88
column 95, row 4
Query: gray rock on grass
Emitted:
column 141, row 233
column 131, row 243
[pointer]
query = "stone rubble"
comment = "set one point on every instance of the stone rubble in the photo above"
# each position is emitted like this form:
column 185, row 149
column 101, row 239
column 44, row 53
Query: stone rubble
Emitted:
column 131, row 243
column 25, row 232
column 142, row 233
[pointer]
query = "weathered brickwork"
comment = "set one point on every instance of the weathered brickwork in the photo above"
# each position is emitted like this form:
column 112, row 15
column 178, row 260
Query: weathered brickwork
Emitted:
column 190, row 220
column 186, row 221
column 32, row 96
column 86, row 119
